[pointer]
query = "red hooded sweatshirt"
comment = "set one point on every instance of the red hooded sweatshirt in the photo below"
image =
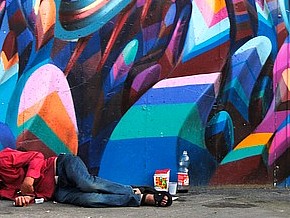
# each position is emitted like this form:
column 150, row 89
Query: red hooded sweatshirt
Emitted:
column 16, row 165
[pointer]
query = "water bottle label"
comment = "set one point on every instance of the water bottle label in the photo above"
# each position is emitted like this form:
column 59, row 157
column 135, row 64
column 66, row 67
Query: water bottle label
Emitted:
column 183, row 179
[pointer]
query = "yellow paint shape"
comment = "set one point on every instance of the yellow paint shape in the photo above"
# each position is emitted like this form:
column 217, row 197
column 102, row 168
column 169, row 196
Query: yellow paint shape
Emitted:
column 216, row 5
column 29, row 112
column 254, row 140
column 36, row 6
column 286, row 78
column 9, row 63
column 47, row 13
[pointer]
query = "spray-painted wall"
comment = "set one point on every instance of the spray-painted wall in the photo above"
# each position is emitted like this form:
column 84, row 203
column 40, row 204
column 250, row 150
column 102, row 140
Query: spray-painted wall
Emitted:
column 129, row 84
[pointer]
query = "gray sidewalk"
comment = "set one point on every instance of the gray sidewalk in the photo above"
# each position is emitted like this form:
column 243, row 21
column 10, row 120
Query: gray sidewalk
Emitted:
column 238, row 201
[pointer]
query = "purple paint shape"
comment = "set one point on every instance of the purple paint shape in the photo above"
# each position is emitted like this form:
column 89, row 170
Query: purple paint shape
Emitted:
column 279, row 144
column 281, row 63
column 119, row 68
column 140, row 3
column 146, row 78
column 272, row 120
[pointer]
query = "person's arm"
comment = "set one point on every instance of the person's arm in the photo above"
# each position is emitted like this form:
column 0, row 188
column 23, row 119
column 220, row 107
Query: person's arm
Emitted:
column 21, row 201
column 33, row 161
column 27, row 186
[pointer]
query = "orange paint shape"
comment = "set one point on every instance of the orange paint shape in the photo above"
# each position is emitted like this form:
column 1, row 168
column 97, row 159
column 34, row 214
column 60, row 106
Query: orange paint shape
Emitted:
column 29, row 113
column 216, row 5
column 45, row 22
column 286, row 78
column 254, row 140
column 53, row 112
column 47, row 13
column 9, row 63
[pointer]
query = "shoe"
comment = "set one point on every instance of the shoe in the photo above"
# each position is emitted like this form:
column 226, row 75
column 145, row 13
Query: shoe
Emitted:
column 145, row 189
column 158, row 197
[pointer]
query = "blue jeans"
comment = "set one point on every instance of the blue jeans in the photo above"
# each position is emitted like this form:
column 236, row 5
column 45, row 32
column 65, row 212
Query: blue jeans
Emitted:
column 76, row 186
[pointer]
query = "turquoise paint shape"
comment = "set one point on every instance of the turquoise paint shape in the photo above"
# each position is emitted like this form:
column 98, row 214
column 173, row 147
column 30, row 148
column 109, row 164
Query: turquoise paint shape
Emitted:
column 193, row 130
column 137, row 121
column 143, row 121
column 92, row 23
column 120, row 69
column 242, row 153
column 266, row 29
column 222, row 123
column 38, row 127
column 234, row 90
column 130, row 51
column 12, row 112
column 285, row 10
column 201, row 48
column 236, row 85
column 261, row 44
column 6, row 90
column 5, row 75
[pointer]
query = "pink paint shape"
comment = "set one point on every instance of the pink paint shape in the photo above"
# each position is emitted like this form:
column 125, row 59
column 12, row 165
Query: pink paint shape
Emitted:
column 213, row 78
column 117, row 67
column 281, row 63
column 279, row 144
column 271, row 118
column 44, row 81
column 211, row 18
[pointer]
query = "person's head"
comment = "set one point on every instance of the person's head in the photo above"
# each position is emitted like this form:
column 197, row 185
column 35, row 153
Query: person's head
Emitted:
column 21, row 148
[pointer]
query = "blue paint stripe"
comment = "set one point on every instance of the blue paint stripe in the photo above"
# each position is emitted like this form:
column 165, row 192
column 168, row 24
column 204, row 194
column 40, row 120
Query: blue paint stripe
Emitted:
column 216, row 128
column 205, row 103
column 92, row 48
column 175, row 95
column 235, row 92
column 25, row 38
column 242, row 18
column 284, row 123
column 241, row 73
column 242, row 57
column 129, row 167
column 12, row 7
column 239, row 104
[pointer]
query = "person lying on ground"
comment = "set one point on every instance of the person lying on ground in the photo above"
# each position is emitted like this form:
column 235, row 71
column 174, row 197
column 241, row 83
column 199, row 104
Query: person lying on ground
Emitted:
column 26, row 175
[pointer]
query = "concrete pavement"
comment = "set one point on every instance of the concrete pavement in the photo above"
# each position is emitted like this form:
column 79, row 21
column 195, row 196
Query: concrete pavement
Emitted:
column 234, row 201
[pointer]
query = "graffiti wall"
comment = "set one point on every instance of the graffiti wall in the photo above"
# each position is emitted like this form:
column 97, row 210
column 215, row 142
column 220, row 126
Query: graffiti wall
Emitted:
column 129, row 84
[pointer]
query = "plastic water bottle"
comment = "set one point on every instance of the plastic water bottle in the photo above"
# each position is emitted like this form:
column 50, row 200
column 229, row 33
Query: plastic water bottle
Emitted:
column 182, row 175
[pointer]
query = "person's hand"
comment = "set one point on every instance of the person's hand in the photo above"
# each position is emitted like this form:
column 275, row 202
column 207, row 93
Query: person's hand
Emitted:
column 23, row 200
column 27, row 186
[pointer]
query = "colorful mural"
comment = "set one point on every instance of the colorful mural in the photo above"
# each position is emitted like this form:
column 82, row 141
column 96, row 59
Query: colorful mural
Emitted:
column 129, row 84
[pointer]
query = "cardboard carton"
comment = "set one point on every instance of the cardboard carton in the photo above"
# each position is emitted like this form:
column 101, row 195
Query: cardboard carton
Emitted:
column 161, row 179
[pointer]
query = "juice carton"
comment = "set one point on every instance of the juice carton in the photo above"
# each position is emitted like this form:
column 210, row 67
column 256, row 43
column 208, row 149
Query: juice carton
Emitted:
column 161, row 179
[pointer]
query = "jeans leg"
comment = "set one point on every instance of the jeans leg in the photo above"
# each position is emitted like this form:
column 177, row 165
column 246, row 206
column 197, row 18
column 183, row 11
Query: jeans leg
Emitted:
column 85, row 199
column 73, row 172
